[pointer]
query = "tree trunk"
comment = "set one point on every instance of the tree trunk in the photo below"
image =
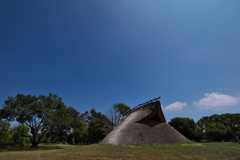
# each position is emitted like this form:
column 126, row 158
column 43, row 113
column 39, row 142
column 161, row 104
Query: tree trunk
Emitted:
column 34, row 138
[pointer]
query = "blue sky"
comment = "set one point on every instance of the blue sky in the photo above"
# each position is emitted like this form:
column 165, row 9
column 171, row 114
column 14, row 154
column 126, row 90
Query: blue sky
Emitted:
column 96, row 53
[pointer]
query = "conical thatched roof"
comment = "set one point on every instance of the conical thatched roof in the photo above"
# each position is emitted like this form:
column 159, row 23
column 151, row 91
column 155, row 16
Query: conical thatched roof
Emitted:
column 144, row 125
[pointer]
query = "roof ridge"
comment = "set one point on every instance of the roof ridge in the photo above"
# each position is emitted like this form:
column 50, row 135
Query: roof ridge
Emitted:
column 144, row 106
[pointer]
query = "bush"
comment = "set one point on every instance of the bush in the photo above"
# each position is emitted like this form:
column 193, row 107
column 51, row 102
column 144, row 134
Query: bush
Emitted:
column 5, row 138
column 19, row 134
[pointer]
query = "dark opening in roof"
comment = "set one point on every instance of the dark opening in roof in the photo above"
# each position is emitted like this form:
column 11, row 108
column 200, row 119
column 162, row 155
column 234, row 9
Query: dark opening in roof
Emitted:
column 156, row 116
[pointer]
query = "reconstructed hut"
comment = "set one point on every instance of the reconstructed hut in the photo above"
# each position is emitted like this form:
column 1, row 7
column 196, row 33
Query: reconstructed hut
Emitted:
column 144, row 124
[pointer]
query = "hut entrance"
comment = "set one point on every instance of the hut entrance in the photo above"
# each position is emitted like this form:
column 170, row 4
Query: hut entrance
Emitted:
column 154, row 118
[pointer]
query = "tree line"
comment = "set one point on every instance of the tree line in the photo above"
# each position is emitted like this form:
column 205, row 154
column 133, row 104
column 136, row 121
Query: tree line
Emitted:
column 223, row 127
column 46, row 119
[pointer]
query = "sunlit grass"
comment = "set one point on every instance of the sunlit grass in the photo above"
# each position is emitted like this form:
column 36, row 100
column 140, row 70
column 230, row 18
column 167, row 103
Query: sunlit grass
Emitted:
column 107, row 152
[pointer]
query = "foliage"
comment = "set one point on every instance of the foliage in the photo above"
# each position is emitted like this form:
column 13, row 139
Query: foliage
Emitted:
column 50, row 120
column 216, row 131
column 187, row 127
column 36, row 112
column 78, row 131
column 89, row 116
column 19, row 135
column 5, row 134
column 116, row 113
column 220, row 127
column 63, row 123
column 98, row 126
column 5, row 138
column 5, row 126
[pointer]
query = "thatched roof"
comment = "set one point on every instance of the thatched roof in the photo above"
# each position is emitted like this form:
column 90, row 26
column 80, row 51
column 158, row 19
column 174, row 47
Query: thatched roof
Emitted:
column 146, row 125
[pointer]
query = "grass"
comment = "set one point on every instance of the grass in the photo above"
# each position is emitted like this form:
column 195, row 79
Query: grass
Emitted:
column 201, row 151
column 40, row 147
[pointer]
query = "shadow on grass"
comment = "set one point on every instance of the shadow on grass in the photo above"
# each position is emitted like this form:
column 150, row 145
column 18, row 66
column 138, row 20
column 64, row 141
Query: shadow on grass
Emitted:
column 39, row 148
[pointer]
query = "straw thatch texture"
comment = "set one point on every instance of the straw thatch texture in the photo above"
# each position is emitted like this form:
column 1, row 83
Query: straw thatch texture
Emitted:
column 137, row 129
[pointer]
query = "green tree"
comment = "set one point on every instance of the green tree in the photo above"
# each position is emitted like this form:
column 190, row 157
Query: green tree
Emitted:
column 232, row 121
column 116, row 114
column 187, row 127
column 68, row 128
column 5, row 126
column 89, row 116
column 225, row 126
column 19, row 135
column 78, row 131
column 61, row 124
column 5, row 134
column 98, row 126
column 216, row 131
column 34, row 111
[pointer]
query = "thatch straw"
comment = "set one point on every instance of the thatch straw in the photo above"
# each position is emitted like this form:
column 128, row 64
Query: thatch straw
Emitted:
column 144, row 126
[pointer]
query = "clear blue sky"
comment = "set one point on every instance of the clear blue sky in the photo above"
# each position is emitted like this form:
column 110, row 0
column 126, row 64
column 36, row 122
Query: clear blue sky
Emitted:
column 94, row 53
